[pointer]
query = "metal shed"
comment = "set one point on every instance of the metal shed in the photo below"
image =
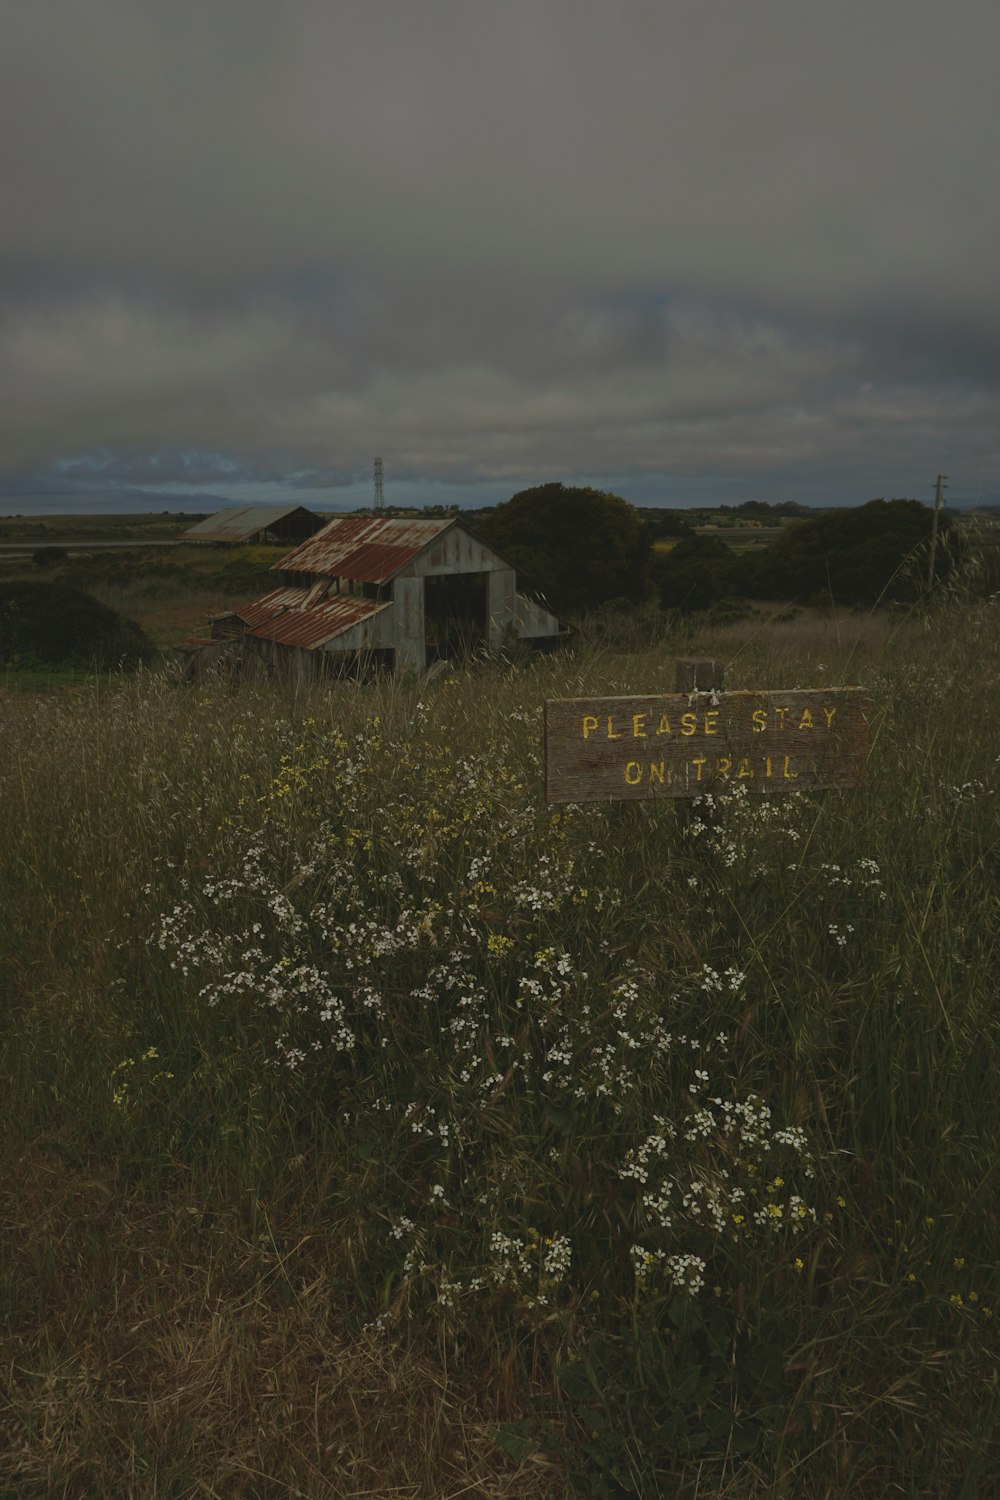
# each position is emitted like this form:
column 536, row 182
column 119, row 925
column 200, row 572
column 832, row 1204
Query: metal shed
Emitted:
column 404, row 592
column 238, row 525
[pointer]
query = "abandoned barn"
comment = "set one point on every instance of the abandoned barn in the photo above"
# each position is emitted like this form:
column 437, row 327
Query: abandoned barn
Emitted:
column 274, row 525
column 396, row 592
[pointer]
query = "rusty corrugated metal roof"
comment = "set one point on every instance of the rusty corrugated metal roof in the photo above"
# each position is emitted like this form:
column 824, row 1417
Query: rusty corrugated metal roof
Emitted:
column 272, row 604
column 286, row 618
column 238, row 522
column 370, row 549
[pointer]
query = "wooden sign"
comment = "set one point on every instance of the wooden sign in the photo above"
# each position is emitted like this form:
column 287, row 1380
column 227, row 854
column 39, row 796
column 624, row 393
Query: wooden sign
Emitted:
column 683, row 744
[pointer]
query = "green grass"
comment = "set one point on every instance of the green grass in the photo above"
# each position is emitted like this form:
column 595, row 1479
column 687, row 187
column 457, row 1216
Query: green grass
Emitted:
column 335, row 1060
column 50, row 530
column 43, row 679
column 170, row 593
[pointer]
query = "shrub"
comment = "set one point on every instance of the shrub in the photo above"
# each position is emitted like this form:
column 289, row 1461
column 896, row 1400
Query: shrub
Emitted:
column 696, row 573
column 49, row 557
column 56, row 625
column 866, row 555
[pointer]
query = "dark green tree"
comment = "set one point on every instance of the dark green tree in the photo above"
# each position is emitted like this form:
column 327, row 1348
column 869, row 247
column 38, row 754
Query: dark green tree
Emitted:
column 663, row 523
column 579, row 547
column 868, row 554
column 696, row 573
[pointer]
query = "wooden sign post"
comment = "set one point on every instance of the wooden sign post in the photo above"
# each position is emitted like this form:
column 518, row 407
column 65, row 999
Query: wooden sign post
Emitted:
column 701, row 739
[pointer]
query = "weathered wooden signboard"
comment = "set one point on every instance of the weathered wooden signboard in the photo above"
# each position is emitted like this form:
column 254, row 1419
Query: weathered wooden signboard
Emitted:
column 684, row 744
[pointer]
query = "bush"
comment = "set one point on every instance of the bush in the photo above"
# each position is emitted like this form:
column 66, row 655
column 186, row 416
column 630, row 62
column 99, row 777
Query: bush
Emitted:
column 866, row 555
column 49, row 557
column 581, row 547
column 51, row 624
column 696, row 573
column 731, row 610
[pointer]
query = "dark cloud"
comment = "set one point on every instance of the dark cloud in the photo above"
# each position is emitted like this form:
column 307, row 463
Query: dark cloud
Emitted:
column 500, row 242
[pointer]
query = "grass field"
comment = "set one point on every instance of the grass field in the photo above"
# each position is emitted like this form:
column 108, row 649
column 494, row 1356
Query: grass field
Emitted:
column 51, row 530
column 742, row 538
column 169, row 592
column 375, row 1130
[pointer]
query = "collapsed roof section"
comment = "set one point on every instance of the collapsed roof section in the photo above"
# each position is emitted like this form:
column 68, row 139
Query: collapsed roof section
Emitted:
column 306, row 617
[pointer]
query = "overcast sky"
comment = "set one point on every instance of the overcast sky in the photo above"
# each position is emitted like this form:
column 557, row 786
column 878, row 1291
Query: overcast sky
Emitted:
column 696, row 251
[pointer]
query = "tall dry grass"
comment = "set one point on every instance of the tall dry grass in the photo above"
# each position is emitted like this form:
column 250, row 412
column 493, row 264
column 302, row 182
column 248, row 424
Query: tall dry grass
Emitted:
column 227, row 1268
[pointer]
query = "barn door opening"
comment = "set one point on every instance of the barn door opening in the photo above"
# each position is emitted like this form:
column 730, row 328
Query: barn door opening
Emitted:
column 455, row 615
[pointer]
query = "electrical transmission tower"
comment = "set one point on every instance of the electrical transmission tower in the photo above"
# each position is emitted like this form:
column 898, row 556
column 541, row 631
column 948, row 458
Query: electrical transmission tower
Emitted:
column 379, row 496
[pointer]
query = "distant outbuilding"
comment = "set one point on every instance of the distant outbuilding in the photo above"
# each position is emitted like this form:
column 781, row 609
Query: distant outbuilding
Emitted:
column 274, row 525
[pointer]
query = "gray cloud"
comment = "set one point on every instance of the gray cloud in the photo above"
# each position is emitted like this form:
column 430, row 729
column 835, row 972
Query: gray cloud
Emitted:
column 496, row 242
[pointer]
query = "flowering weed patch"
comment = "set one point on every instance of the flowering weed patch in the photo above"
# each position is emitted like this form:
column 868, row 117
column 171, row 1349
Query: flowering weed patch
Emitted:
column 416, row 960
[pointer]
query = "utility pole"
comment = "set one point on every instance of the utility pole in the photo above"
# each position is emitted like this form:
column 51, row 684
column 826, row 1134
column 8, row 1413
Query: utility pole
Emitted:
column 934, row 528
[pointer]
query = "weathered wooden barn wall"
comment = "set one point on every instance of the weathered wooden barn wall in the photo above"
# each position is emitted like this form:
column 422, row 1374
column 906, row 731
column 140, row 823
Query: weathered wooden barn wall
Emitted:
column 456, row 551
column 501, row 605
column 533, row 621
column 408, row 628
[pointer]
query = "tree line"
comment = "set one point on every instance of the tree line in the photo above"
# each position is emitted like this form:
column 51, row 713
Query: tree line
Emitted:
column 582, row 547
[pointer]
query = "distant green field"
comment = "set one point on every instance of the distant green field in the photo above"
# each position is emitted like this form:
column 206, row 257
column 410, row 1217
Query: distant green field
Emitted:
column 50, row 530
column 742, row 538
